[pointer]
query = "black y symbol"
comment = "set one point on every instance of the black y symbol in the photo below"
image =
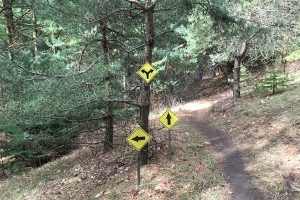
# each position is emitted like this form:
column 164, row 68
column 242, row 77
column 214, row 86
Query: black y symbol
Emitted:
column 147, row 73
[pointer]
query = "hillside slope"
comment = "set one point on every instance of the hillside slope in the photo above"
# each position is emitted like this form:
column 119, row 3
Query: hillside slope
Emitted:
column 193, row 173
column 263, row 131
column 267, row 130
column 200, row 89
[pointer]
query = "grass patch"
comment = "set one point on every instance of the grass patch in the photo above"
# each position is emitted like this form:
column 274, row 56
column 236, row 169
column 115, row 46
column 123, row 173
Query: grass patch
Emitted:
column 32, row 181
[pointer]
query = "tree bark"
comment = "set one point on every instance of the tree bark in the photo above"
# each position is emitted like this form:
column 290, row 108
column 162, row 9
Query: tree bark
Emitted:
column 109, row 133
column 10, row 25
column 144, row 118
column 145, row 89
column 148, row 9
column 108, row 143
column 34, row 30
column 239, row 54
column 237, row 78
column 2, row 90
column 283, row 63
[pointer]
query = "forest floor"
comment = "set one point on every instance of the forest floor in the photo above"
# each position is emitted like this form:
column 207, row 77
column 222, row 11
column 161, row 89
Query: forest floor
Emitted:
column 221, row 150
column 194, row 172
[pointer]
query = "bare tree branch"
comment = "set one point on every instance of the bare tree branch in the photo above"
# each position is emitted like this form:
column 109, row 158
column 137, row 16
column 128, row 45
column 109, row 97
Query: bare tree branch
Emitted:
column 125, row 101
column 163, row 32
column 42, row 76
column 142, row 45
column 135, row 48
column 136, row 2
column 65, row 12
column 82, row 55
column 2, row 9
column 110, row 14
column 117, row 32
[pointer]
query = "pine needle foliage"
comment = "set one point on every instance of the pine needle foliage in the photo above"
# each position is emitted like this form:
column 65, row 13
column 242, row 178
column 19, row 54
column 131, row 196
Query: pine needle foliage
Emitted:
column 275, row 81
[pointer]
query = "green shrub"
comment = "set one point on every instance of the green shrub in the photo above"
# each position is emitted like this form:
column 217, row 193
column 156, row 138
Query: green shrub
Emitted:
column 34, row 145
column 274, row 82
column 12, row 167
column 294, row 56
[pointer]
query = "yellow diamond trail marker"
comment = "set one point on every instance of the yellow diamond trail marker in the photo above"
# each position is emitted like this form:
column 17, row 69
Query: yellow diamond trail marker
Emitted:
column 169, row 119
column 138, row 138
column 147, row 72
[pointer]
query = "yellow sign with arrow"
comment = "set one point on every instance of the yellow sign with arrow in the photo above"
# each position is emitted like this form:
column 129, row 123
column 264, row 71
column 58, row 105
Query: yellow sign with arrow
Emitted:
column 138, row 138
column 169, row 119
column 147, row 72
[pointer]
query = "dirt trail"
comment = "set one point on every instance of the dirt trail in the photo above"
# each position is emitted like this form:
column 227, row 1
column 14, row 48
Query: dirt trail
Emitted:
column 240, row 184
column 242, row 188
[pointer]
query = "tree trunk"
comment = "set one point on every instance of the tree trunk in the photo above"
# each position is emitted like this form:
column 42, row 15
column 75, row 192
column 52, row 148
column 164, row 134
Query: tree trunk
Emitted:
column 109, row 133
column 34, row 30
column 145, row 89
column 239, row 54
column 10, row 25
column 144, row 118
column 237, row 77
column 283, row 63
column 2, row 90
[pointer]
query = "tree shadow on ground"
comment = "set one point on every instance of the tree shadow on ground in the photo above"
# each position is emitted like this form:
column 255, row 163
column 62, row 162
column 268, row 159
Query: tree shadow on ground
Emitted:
column 240, row 183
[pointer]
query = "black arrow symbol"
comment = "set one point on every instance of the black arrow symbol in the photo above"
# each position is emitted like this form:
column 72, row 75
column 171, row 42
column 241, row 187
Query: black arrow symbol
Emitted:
column 169, row 118
column 137, row 138
column 147, row 73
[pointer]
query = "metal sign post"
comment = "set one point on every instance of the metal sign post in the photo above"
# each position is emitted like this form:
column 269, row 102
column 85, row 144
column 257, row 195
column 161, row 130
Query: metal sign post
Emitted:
column 138, row 139
column 169, row 119
column 169, row 145
column 138, row 167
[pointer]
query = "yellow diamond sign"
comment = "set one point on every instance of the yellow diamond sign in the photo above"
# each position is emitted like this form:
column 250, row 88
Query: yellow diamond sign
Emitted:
column 138, row 138
column 169, row 119
column 147, row 72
